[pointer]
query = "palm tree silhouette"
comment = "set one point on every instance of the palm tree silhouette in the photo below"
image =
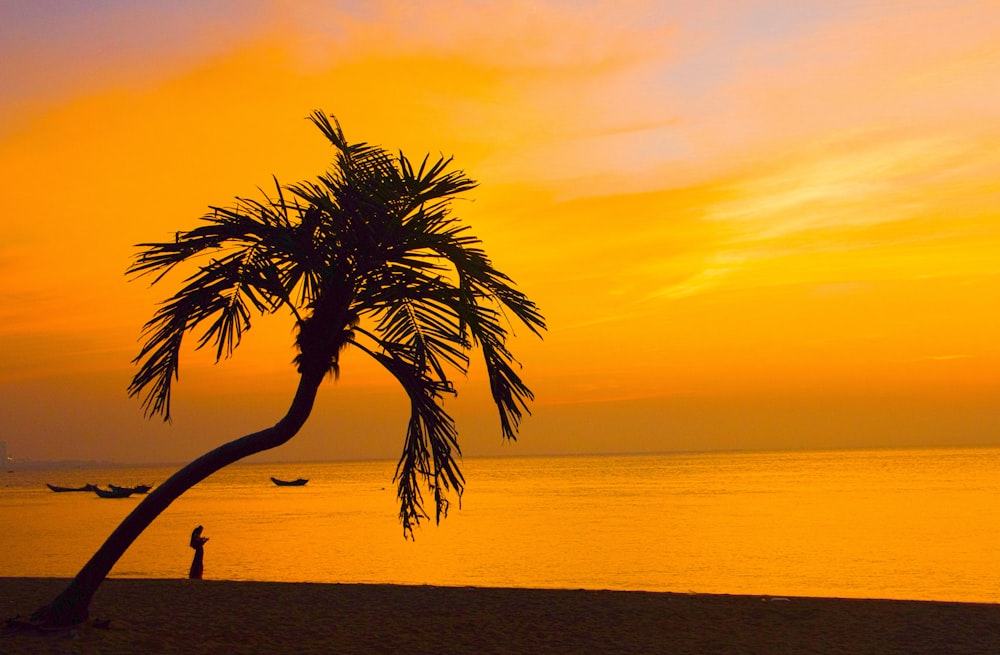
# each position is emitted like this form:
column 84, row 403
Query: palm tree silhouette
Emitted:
column 367, row 256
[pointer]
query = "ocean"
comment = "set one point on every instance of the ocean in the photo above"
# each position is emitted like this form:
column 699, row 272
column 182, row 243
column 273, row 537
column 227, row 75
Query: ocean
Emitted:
column 903, row 524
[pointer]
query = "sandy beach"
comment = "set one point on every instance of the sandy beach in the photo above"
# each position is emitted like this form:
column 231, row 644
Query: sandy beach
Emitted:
column 185, row 616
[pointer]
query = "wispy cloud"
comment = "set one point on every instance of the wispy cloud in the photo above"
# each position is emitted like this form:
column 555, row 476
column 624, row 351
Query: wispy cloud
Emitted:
column 828, row 200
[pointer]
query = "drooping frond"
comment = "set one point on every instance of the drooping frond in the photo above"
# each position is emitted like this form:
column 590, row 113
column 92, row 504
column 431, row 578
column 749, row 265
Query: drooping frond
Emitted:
column 250, row 266
column 430, row 449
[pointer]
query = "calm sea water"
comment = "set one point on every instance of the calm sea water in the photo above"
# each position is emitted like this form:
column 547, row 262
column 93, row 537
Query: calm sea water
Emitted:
column 912, row 524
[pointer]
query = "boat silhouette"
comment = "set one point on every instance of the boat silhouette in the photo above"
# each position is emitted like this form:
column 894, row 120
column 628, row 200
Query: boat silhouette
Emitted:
column 59, row 490
column 113, row 493
column 138, row 489
column 289, row 483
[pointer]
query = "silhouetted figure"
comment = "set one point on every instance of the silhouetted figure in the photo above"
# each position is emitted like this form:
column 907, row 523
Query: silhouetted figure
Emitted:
column 198, row 543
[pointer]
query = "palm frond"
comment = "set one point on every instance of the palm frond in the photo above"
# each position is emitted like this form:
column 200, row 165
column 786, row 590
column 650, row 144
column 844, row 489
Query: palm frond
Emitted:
column 430, row 450
column 159, row 359
column 250, row 269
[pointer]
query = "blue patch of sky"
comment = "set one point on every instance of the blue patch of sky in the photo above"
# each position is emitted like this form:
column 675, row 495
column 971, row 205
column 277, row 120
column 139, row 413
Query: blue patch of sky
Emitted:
column 717, row 44
column 45, row 44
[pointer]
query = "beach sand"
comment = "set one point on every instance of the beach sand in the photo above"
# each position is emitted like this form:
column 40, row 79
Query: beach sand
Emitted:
column 204, row 616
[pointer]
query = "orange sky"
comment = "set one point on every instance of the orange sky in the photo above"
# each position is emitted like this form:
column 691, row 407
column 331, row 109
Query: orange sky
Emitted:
column 749, row 224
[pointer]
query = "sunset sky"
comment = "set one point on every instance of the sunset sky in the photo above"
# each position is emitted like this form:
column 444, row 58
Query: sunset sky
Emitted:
column 749, row 224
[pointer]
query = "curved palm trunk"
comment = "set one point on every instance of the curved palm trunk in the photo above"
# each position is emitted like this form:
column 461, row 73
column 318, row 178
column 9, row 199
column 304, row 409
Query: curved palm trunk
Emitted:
column 71, row 606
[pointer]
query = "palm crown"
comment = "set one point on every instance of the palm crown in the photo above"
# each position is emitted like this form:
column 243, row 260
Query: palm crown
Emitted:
column 366, row 256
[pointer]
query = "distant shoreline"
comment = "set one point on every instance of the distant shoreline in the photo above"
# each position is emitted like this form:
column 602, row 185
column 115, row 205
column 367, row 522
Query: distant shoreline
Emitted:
column 15, row 466
column 40, row 465
column 190, row 616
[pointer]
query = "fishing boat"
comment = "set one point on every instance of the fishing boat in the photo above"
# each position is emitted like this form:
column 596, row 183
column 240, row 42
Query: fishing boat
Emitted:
column 59, row 490
column 113, row 493
column 289, row 483
column 138, row 489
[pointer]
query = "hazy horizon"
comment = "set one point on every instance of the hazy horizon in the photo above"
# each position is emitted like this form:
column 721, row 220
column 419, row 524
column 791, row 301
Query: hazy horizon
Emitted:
column 268, row 458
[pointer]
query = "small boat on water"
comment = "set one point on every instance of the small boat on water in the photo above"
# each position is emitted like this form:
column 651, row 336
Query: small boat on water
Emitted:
column 113, row 493
column 289, row 483
column 138, row 489
column 59, row 490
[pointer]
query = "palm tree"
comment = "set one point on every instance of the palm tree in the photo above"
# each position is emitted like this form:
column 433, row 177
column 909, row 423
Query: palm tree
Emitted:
column 369, row 257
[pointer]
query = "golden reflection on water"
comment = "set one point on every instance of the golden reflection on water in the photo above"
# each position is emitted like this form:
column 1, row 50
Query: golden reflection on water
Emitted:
column 897, row 524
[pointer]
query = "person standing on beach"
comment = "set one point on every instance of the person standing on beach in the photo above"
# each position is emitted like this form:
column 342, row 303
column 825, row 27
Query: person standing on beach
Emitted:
column 198, row 543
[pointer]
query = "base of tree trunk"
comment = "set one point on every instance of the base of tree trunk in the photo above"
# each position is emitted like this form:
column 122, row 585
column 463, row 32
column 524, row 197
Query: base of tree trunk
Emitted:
column 62, row 612
column 71, row 607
